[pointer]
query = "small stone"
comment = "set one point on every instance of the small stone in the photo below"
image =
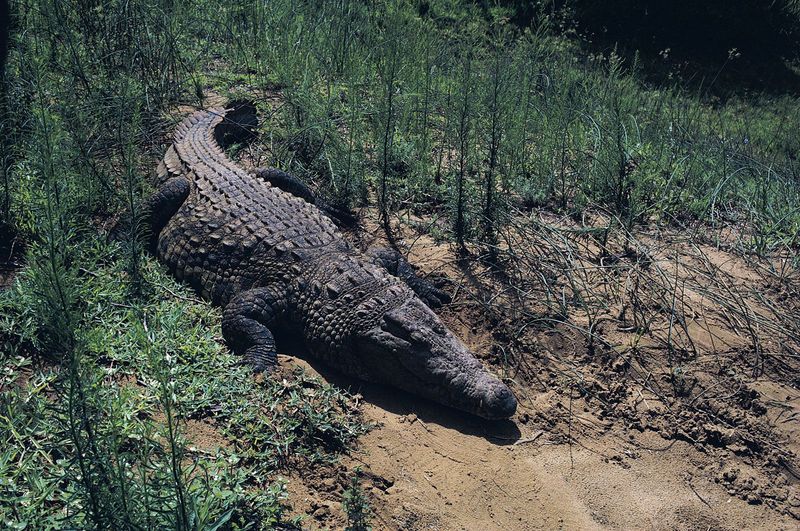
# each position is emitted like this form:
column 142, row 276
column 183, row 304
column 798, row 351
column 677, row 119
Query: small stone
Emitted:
column 730, row 475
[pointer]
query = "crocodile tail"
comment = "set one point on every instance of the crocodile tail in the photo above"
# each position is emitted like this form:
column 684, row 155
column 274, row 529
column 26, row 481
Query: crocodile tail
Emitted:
column 240, row 123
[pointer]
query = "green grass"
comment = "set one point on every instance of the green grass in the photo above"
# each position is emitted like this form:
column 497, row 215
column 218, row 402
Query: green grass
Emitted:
column 535, row 121
column 455, row 107
column 356, row 505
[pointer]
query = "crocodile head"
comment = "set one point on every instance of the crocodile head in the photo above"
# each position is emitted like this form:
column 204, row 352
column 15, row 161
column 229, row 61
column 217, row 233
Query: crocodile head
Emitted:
column 409, row 347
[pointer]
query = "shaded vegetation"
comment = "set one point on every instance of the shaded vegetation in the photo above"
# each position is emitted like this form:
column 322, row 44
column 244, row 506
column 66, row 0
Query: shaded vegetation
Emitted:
column 103, row 435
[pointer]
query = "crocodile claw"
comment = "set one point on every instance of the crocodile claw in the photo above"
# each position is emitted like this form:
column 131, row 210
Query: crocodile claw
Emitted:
column 433, row 296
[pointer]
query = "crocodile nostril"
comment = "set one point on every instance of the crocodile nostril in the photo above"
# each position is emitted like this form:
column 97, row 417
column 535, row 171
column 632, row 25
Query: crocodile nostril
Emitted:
column 503, row 404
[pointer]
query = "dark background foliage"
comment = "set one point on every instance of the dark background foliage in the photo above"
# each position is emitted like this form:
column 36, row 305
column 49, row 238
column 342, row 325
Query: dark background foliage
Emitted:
column 752, row 39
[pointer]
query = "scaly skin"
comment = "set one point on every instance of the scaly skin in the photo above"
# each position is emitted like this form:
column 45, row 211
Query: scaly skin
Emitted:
column 272, row 259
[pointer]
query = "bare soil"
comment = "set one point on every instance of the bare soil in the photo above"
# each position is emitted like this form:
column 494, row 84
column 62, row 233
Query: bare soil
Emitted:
column 425, row 467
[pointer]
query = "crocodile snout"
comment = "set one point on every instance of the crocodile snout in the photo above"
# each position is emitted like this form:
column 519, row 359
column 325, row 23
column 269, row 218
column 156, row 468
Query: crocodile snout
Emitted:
column 411, row 349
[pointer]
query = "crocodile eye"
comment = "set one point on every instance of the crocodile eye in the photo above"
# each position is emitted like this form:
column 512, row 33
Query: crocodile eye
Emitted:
column 392, row 320
column 396, row 327
column 418, row 337
column 404, row 330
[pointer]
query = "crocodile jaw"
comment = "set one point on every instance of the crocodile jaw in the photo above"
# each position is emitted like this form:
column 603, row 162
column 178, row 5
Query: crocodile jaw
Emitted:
column 411, row 349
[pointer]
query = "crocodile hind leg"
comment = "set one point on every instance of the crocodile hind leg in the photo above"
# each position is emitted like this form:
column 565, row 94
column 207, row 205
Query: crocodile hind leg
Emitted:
column 245, row 326
column 292, row 185
column 396, row 265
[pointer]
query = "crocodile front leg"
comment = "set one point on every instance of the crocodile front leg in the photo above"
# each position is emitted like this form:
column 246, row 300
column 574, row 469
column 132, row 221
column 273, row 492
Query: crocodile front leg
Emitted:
column 398, row 266
column 246, row 321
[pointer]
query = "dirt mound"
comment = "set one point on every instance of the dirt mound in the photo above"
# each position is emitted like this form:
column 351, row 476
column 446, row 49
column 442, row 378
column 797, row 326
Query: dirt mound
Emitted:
column 426, row 467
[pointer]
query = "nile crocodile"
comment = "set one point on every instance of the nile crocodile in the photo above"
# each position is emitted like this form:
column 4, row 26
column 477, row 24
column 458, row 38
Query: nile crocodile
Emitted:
column 256, row 244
